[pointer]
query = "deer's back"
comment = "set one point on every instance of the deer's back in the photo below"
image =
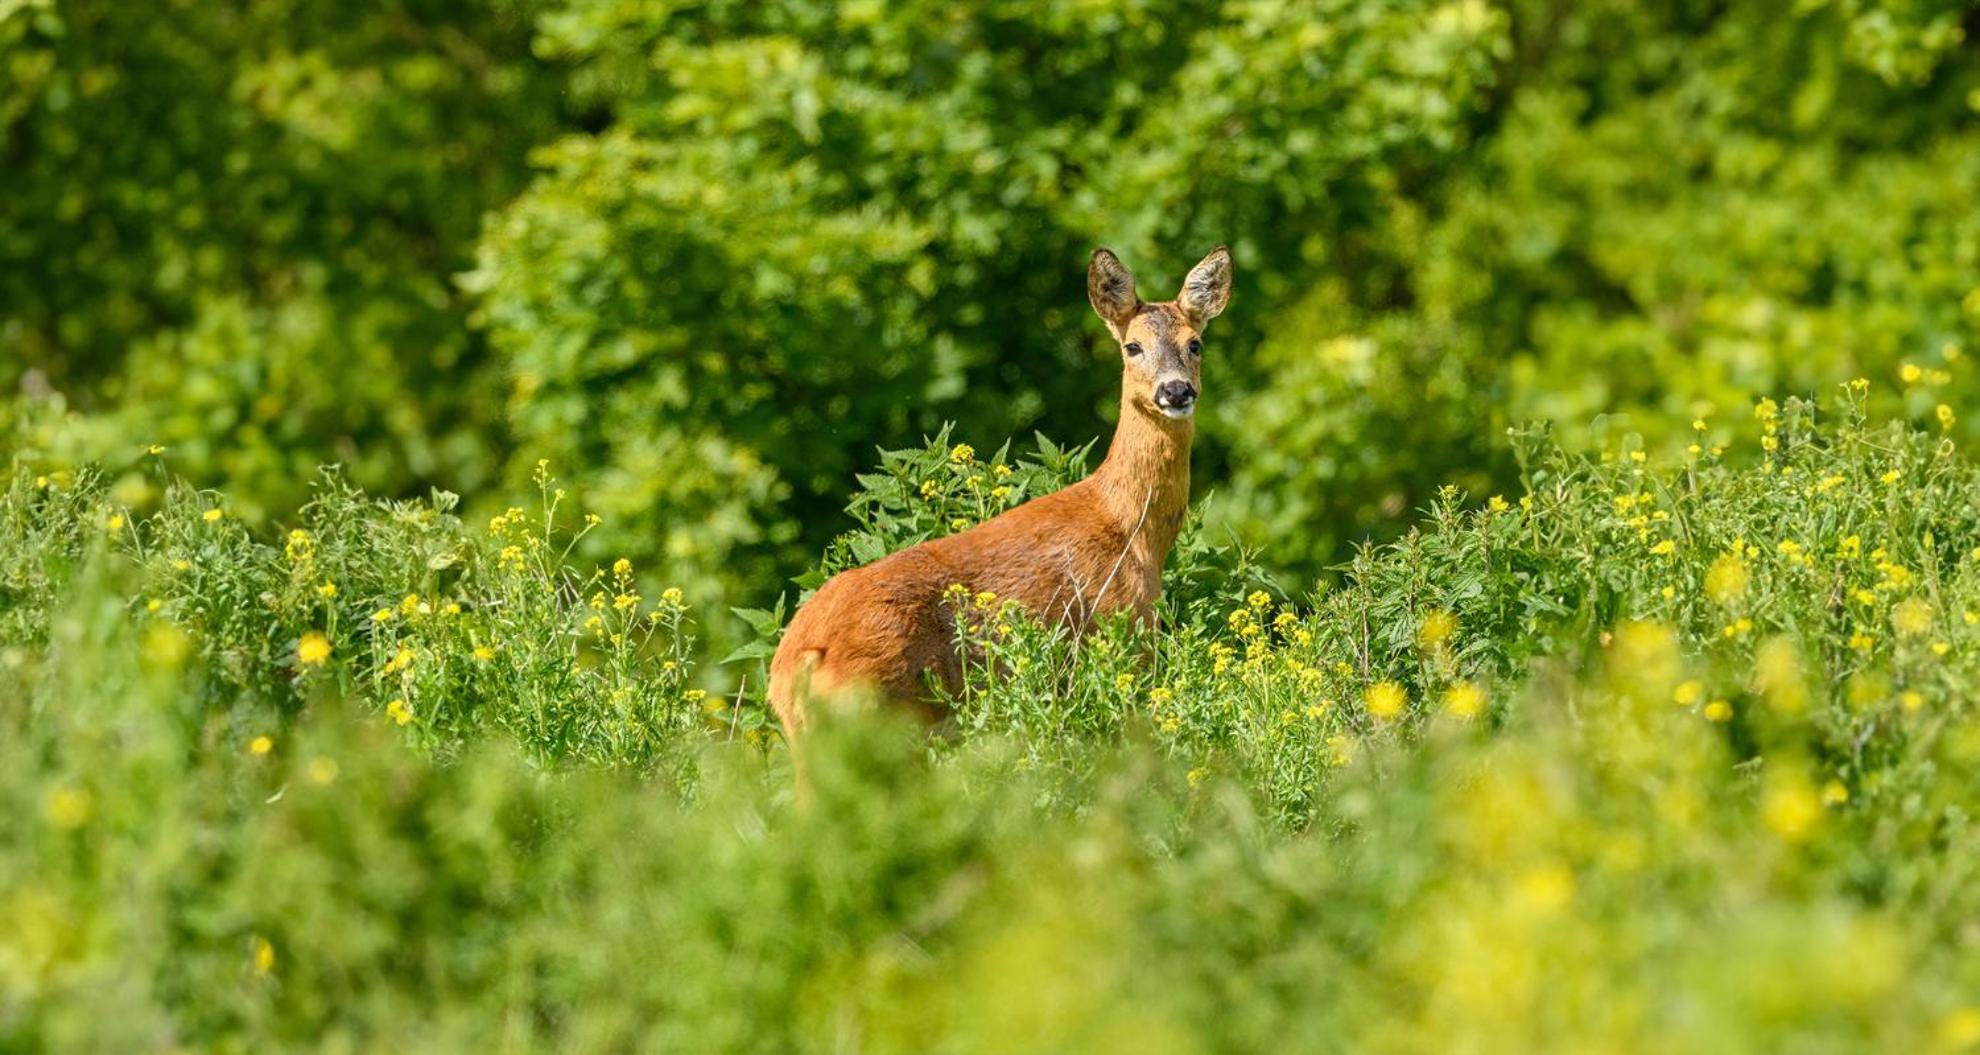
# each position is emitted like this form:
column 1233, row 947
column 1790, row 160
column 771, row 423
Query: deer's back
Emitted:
column 886, row 623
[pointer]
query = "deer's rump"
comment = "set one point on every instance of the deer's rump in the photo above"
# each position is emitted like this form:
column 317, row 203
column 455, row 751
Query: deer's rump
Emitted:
column 885, row 626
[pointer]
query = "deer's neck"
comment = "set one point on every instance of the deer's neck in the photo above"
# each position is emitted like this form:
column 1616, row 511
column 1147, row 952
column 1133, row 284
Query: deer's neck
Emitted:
column 1144, row 482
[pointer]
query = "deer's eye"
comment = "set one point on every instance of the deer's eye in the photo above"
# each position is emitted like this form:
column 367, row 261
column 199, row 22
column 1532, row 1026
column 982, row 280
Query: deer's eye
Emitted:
column 1195, row 346
column 1133, row 348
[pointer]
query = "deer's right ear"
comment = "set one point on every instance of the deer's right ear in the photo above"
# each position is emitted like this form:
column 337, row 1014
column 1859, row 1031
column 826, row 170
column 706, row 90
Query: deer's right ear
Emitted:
column 1110, row 288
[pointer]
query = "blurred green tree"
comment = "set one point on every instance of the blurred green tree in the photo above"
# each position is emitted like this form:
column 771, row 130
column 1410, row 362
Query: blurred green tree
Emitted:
column 812, row 227
column 231, row 228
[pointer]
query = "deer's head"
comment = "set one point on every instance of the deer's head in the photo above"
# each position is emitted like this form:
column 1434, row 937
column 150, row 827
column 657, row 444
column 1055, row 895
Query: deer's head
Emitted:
column 1161, row 342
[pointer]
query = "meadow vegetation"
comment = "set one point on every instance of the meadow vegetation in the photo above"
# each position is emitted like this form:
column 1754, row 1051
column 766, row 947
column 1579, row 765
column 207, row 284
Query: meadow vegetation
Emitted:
column 1651, row 753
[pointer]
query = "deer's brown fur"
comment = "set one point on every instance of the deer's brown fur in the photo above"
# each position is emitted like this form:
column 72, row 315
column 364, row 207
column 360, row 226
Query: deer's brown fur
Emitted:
column 1069, row 557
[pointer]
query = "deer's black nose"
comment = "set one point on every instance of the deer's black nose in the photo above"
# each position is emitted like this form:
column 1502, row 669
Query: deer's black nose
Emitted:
column 1175, row 395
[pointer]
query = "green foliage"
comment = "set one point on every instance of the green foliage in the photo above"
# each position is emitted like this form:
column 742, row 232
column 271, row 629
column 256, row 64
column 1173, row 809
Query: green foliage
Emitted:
column 232, row 228
column 1229, row 845
column 707, row 258
column 672, row 329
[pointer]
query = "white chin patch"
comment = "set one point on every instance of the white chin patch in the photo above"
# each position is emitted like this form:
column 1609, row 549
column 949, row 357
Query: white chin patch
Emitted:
column 1177, row 412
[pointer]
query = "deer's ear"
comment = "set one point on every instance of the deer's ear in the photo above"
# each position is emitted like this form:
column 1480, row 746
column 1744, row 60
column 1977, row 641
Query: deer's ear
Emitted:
column 1207, row 288
column 1110, row 288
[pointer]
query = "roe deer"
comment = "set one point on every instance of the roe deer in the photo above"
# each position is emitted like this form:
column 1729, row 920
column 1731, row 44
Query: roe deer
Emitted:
column 1069, row 557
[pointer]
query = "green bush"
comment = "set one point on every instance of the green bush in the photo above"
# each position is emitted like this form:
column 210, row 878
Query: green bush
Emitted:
column 233, row 228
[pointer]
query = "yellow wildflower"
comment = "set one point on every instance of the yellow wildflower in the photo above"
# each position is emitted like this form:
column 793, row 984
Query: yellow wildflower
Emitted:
column 1436, row 628
column 69, row 808
column 213, row 514
column 1464, row 699
column 399, row 712
column 1789, row 808
column 313, row 650
column 1725, row 581
column 1912, row 617
column 1385, row 700
column 260, row 746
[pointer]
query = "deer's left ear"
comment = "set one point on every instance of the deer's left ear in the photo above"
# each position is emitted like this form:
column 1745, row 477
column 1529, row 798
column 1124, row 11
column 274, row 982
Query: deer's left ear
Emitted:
column 1207, row 288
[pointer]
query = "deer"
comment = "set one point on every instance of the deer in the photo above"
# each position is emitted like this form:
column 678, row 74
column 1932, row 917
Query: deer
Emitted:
column 884, row 631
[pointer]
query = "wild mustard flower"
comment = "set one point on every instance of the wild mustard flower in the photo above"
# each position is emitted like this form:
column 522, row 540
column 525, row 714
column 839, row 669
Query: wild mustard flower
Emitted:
column 1726, row 580
column 327, row 590
column 1385, row 700
column 1718, row 711
column 313, row 650
column 1664, row 548
column 672, row 595
column 212, row 515
column 1910, row 373
column 1435, row 629
column 260, row 746
column 1464, row 699
column 264, row 955
column 1789, row 807
column 1959, row 1030
column 1688, row 693
column 69, row 808
column 962, row 454
column 1912, row 617
column 398, row 711
column 384, row 615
